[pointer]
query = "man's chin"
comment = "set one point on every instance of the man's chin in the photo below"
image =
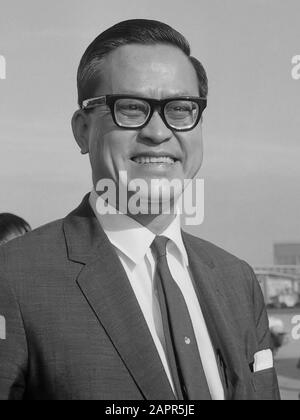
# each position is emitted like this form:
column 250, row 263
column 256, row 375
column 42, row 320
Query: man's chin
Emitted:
column 153, row 201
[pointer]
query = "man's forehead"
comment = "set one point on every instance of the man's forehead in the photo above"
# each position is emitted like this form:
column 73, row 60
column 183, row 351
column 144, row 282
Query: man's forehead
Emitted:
column 136, row 67
column 156, row 54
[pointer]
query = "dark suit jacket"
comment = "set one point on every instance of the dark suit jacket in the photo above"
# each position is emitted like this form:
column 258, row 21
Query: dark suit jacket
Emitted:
column 74, row 329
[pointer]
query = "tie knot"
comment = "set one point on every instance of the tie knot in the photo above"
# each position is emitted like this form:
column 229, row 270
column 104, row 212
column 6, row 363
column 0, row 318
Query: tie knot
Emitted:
column 159, row 246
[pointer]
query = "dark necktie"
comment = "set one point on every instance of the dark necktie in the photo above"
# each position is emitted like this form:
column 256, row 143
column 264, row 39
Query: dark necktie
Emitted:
column 182, row 350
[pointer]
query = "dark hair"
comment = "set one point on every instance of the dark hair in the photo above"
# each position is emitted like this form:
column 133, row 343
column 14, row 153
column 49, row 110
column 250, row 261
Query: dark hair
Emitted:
column 137, row 31
column 12, row 226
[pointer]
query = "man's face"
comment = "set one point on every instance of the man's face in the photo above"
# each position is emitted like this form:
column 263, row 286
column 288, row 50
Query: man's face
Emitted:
column 156, row 72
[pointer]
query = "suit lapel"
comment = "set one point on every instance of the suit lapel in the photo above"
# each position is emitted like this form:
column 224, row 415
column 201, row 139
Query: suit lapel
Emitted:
column 218, row 319
column 104, row 283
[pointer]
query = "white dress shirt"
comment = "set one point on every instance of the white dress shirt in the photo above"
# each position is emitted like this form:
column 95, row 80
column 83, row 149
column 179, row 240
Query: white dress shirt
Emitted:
column 132, row 242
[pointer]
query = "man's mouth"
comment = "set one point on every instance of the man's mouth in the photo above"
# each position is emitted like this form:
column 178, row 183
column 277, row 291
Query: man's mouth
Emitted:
column 148, row 160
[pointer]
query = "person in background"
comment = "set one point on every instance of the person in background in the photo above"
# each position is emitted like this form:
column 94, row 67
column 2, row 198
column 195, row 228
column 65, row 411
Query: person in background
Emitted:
column 12, row 227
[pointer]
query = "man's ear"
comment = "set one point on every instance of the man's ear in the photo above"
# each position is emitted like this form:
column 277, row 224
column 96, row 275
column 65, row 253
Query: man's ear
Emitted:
column 80, row 126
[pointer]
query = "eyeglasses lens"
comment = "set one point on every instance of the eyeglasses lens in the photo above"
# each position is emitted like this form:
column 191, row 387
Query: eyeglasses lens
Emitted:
column 179, row 114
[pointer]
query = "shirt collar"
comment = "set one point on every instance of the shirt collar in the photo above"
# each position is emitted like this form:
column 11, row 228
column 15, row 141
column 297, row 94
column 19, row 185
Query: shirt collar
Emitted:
column 130, row 237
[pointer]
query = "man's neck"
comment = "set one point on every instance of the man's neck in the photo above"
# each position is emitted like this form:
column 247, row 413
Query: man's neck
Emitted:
column 155, row 223
column 158, row 221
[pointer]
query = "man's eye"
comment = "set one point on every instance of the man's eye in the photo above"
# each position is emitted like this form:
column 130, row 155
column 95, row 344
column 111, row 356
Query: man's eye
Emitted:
column 180, row 108
column 132, row 108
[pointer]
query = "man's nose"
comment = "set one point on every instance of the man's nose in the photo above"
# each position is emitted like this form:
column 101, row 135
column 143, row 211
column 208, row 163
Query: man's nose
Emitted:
column 156, row 130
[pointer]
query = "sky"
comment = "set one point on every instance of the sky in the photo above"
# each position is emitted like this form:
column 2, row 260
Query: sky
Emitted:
column 251, row 127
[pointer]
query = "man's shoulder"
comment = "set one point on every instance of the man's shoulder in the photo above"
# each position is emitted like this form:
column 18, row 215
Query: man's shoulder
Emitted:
column 41, row 242
column 47, row 247
column 213, row 254
column 232, row 271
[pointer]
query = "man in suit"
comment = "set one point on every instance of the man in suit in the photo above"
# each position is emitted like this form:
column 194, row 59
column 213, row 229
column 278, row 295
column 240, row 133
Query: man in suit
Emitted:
column 125, row 305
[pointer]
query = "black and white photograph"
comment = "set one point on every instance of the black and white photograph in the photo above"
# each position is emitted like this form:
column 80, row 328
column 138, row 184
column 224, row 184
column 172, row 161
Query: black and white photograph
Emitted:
column 149, row 202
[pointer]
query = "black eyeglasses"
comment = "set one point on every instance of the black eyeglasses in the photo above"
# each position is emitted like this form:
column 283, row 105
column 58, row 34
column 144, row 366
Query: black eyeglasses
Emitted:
column 131, row 112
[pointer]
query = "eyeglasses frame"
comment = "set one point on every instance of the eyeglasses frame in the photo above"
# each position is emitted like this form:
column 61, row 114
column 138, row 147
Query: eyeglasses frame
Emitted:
column 155, row 104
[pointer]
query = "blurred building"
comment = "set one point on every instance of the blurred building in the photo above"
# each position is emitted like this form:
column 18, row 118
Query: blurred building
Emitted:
column 287, row 254
column 280, row 282
column 280, row 285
